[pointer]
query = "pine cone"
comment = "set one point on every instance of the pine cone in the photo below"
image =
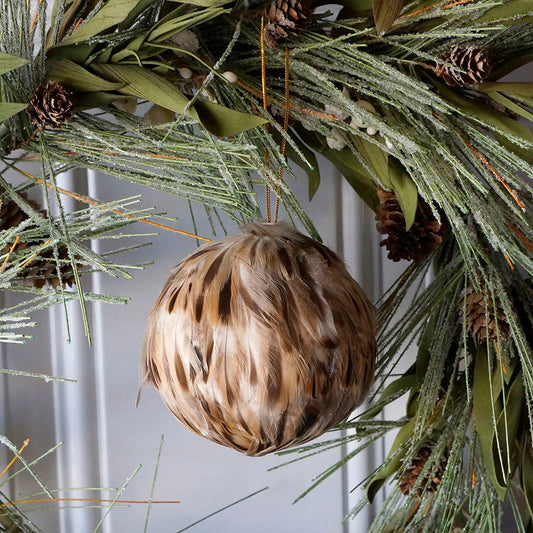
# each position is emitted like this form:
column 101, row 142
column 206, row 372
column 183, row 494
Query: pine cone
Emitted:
column 12, row 215
column 43, row 268
column 433, row 477
column 51, row 106
column 415, row 244
column 471, row 65
column 283, row 19
column 482, row 313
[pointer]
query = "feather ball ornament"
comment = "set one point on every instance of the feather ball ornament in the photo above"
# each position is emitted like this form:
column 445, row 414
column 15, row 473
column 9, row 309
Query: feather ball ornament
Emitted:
column 260, row 341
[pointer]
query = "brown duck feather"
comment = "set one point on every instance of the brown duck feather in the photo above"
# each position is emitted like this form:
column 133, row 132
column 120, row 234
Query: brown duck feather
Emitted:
column 260, row 341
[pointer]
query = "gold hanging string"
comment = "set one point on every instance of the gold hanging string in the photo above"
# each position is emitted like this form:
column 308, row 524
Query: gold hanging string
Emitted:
column 265, row 107
column 285, row 122
column 285, row 127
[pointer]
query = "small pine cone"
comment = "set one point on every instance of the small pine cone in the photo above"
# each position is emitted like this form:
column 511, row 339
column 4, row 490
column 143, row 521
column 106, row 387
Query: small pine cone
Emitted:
column 482, row 315
column 415, row 244
column 51, row 106
column 433, row 477
column 283, row 19
column 12, row 215
column 471, row 65
column 43, row 268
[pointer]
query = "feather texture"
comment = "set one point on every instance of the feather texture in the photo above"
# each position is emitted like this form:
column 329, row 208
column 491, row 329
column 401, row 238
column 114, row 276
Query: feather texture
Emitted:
column 260, row 341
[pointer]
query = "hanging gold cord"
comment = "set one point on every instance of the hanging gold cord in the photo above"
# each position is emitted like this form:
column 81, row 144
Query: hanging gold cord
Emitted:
column 265, row 106
column 285, row 121
column 285, row 127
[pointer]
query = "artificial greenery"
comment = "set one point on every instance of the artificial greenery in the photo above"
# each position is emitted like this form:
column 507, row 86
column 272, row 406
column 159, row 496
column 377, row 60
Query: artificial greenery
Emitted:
column 465, row 150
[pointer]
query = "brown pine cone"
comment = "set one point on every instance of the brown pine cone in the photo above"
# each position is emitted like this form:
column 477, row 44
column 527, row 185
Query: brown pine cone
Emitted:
column 51, row 106
column 415, row 244
column 283, row 19
column 482, row 314
column 433, row 477
column 42, row 269
column 12, row 215
column 469, row 65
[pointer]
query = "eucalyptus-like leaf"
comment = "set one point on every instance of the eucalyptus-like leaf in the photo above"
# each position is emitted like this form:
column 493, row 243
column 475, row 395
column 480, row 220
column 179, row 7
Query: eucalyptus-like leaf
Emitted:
column 141, row 82
column 348, row 165
column 396, row 453
column 391, row 392
column 385, row 13
column 508, row 88
column 308, row 163
column 510, row 420
column 516, row 11
column 376, row 158
column 223, row 121
column 109, row 15
column 203, row 3
column 406, row 192
column 171, row 25
column 77, row 53
column 509, row 104
column 488, row 117
column 74, row 76
column 486, row 413
column 9, row 62
column 527, row 474
column 525, row 154
column 8, row 109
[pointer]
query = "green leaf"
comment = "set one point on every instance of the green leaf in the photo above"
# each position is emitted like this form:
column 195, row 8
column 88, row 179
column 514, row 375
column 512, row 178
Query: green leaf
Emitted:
column 313, row 171
column 376, row 158
column 511, row 105
column 525, row 154
column 68, row 17
column 406, row 192
column 527, row 474
column 400, row 385
column 355, row 174
column 385, row 13
column 134, row 13
column 424, row 349
column 307, row 163
column 488, row 117
column 203, row 3
column 347, row 164
column 223, row 121
column 76, row 77
column 9, row 62
column 394, row 464
column 504, row 448
column 109, row 15
column 517, row 11
column 78, row 53
column 8, row 109
column 133, row 46
column 143, row 83
column 179, row 21
column 509, row 88
column 485, row 419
